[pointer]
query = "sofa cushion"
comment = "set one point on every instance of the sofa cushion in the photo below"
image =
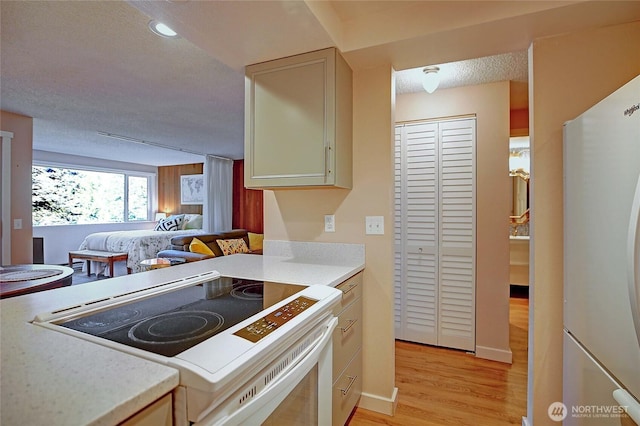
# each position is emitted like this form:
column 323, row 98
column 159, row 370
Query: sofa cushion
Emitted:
column 233, row 246
column 255, row 241
column 197, row 246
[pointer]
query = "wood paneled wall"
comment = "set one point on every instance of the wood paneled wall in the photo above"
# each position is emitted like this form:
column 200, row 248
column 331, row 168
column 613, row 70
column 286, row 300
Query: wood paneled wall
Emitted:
column 247, row 203
column 169, row 188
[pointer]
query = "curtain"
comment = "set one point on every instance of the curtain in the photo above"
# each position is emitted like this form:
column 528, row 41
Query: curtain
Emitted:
column 218, row 204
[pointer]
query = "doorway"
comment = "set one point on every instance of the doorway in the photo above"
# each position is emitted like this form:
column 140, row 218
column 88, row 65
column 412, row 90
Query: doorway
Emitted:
column 5, row 200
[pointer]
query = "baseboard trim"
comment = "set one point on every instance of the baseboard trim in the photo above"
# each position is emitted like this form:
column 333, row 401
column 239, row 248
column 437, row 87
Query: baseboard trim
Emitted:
column 494, row 354
column 378, row 403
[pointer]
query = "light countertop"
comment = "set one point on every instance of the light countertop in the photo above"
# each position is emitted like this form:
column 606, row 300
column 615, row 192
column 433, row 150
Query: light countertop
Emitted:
column 51, row 378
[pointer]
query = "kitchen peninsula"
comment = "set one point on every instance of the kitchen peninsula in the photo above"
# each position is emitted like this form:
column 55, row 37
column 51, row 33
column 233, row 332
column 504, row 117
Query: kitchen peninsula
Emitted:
column 48, row 377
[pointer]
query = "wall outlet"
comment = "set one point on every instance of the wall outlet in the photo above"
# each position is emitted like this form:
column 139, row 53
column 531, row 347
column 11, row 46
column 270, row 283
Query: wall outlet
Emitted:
column 329, row 223
column 374, row 225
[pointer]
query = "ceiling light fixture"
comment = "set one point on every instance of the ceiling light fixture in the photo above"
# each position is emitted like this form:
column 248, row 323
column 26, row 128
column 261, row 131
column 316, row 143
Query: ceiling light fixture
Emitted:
column 161, row 29
column 430, row 79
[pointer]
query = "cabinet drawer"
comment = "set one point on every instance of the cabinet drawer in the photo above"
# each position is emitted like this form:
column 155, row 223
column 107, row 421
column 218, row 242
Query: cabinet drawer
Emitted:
column 347, row 390
column 351, row 290
column 347, row 336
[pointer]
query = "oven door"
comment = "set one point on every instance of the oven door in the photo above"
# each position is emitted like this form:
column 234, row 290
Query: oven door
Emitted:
column 301, row 395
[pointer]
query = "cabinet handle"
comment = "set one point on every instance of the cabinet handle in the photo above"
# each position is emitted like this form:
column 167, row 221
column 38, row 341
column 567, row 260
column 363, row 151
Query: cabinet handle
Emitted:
column 352, row 380
column 351, row 287
column 327, row 157
column 348, row 327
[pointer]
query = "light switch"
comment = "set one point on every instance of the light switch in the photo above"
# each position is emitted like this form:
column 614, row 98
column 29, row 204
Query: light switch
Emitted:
column 329, row 223
column 374, row 225
column 17, row 223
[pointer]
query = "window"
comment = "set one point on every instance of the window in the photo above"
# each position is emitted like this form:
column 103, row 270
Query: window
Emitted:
column 66, row 196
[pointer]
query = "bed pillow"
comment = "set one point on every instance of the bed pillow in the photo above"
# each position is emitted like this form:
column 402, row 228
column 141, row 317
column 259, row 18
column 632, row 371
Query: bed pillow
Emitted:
column 172, row 223
column 192, row 221
column 255, row 241
column 233, row 246
column 197, row 246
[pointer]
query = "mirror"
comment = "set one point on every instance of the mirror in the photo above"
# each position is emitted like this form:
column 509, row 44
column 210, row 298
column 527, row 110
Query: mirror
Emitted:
column 519, row 166
column 520, row 193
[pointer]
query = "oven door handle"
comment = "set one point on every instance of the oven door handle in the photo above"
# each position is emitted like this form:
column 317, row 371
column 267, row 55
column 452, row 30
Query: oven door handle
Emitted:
column 261, row 406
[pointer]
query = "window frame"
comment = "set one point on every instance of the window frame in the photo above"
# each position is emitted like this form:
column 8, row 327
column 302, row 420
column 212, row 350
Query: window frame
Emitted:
column 152, row 179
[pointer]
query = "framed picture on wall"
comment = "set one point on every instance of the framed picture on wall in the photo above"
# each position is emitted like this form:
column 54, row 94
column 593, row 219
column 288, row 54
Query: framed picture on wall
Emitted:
column 191, row 189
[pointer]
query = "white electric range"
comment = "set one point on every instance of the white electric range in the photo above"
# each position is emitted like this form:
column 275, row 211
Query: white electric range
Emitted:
column 238, row 362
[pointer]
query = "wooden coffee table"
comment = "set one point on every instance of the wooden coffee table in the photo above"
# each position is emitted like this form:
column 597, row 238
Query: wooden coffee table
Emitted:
column 160, row 262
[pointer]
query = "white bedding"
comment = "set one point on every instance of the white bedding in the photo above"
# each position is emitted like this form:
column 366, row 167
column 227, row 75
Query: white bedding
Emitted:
column 139, row 244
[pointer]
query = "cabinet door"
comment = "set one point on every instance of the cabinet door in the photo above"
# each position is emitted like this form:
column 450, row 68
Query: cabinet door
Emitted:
column 290, row 120
column 417, row 244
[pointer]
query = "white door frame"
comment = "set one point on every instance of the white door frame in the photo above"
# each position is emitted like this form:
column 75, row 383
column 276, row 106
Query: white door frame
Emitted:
column 5, row 167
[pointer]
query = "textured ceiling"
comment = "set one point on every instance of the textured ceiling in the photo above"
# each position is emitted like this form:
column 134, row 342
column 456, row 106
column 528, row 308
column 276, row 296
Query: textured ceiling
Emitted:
column 83, row 67
column 505, row 67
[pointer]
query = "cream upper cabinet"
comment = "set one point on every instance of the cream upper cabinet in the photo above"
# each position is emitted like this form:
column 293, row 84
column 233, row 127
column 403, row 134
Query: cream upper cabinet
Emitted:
column 298, row 122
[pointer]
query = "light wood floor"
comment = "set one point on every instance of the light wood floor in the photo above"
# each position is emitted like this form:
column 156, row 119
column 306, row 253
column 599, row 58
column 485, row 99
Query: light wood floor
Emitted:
column 439, row 386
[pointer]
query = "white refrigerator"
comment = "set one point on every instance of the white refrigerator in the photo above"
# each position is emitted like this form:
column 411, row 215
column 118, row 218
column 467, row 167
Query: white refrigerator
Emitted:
column 601, row 359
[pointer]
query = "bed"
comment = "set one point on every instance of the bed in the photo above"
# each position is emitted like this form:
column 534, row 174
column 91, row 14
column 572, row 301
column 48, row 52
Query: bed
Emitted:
column 138, row 244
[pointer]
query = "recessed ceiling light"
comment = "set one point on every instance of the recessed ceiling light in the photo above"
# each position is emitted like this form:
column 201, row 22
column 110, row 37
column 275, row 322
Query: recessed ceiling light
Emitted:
column 161, row 29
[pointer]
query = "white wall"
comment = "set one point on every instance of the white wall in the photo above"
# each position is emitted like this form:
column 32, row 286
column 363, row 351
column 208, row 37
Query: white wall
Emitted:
column 60, row 240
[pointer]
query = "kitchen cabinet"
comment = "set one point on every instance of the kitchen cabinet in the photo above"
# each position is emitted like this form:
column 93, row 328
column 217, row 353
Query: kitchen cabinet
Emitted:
column 434, row 231
column 298, row 122
column 347, row 350
column 159, row 413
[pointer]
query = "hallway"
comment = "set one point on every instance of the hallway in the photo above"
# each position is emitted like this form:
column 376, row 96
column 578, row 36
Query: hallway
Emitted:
column 439, row 386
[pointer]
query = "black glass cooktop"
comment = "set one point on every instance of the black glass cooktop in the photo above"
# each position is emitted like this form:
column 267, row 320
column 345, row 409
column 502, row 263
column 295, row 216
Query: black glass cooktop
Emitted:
column 171, row 323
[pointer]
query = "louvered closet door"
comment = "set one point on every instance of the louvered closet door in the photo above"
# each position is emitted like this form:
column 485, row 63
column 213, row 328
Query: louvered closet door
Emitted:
column 417, row 233
column 398, row 223
column 457, row 237
column 434, row 229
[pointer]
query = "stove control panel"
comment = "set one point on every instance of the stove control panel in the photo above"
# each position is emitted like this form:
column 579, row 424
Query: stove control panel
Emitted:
column 270, row 322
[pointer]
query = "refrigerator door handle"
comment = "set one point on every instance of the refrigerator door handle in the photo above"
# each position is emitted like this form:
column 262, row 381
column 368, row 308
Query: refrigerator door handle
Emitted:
column 631, row 406
column 633, row 260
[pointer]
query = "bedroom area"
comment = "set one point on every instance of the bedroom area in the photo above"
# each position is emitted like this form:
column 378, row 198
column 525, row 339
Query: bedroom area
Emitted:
column 81, row 206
